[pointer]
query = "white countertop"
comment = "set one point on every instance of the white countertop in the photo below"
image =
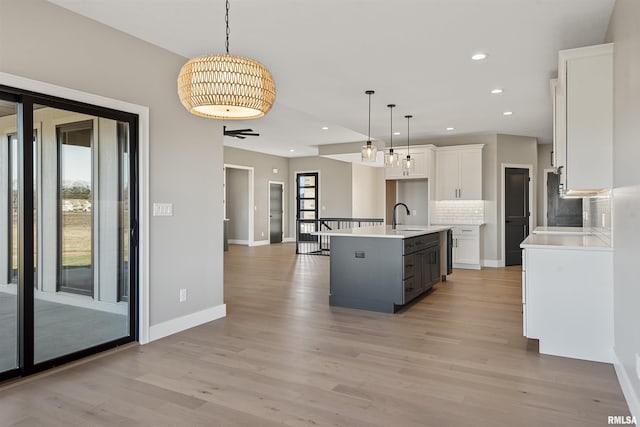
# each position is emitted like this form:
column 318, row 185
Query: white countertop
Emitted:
column 402, row 232
column 463, row 224
column 560, row 230
column 565, row 241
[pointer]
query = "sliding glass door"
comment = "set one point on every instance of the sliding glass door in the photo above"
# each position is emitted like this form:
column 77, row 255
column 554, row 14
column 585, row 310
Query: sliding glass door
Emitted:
column 79, row 295
column 8, row 237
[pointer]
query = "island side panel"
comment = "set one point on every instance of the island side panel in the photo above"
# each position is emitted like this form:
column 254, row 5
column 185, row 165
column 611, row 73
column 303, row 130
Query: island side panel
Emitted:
column 366, row 273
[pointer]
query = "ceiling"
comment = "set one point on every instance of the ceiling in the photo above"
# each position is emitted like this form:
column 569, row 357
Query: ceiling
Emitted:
column 414, row 53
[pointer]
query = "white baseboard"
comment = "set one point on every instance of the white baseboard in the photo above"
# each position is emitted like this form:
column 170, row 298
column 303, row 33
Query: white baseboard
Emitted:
column 289, row 240
column 633, row 401
column 189, row 321
column 238, row 242
column 467, row 266
column 492, row 263
column 260, row 243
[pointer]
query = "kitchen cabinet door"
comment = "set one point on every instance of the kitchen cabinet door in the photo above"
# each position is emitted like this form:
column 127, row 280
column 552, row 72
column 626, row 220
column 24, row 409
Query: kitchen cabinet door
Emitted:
column 465, row 250
column 459, row 172
column 448, row 169
column 584, row 118
column 470, row 175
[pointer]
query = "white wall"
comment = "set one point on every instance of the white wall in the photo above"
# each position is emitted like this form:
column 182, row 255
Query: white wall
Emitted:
column 185, row 153
column 624, row 31
column 367, row 191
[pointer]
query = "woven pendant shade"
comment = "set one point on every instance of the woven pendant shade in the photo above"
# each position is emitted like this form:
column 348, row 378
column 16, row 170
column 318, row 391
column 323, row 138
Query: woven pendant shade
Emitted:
column 226, row 87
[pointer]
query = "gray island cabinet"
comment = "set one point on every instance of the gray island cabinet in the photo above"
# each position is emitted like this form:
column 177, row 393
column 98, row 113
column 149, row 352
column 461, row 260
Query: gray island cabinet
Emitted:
column 381, row 269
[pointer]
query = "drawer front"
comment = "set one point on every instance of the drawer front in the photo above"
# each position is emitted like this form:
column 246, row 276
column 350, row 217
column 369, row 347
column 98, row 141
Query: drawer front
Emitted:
column 409, row 266
column 466, row 230
column 410, row 289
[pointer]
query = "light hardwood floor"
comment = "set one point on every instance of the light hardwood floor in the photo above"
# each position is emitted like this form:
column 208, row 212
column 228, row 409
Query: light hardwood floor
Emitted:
column 283, row 356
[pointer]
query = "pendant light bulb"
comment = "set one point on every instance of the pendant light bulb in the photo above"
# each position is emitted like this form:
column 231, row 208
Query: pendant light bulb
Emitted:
column 369, row 151
column 408, row 164
column 391, row 159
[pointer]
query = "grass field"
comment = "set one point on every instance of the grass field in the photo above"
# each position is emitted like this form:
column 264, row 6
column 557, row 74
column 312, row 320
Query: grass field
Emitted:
column 76, row 239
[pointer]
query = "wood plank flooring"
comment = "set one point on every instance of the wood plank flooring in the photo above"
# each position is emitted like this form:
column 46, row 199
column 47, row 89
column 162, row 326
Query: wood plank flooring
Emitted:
column 284, row 357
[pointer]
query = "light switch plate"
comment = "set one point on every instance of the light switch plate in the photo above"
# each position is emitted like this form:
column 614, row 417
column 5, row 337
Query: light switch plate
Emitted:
column 163, row 209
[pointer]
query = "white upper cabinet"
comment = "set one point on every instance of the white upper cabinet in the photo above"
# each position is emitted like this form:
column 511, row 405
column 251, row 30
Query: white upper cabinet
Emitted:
column 459, row 172
column 422, row 156
column 584, row 103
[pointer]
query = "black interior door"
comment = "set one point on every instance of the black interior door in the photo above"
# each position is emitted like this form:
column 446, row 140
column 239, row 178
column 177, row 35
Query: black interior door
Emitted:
column 516, row 213
column 561, row 212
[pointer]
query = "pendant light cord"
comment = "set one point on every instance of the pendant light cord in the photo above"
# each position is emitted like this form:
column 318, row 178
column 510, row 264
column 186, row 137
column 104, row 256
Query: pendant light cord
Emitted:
column 408, row 117
column 369, row 92
column 391, row 116
column 226, row 20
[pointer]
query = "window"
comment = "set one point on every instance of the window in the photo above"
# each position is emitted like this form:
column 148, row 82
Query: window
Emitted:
column 307, row 204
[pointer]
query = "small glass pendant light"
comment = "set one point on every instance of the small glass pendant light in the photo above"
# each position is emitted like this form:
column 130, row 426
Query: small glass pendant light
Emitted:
column 369, row 151
column 408, row 164
column 391, row 159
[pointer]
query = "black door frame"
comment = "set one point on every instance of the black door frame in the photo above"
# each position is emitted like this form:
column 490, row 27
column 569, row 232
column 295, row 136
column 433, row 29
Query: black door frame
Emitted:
column 25, row 101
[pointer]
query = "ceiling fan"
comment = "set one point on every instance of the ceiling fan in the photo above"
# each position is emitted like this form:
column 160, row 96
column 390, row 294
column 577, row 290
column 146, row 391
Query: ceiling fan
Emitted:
column 239, row 133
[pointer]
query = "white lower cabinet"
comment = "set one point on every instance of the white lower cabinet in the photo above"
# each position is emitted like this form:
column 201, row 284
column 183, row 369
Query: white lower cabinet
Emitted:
column 466, row 246
column 567, row 301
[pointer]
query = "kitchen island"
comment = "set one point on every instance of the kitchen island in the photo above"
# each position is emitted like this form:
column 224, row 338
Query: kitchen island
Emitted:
column 381, row 269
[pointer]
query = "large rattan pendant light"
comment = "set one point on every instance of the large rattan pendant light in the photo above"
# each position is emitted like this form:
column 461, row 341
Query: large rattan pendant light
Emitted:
column 225, row 86
column 408, row 164
column 391, row 159
column 369, row 151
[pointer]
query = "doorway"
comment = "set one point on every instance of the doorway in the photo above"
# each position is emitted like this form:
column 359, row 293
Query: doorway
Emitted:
column 238, row 204
column 516, row 212
column 276, row 211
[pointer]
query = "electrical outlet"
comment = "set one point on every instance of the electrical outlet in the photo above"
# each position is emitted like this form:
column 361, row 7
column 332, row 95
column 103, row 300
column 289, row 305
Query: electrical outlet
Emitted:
column 183, row 295
column 415, row 212
column 638, row 365
column 262, row 234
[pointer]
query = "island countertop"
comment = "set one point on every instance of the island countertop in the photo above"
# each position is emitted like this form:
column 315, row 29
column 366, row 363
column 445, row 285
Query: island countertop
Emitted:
column 566, row 241
column 385, row 231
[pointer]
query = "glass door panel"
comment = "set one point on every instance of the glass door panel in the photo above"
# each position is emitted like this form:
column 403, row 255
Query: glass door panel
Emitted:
column 83, row 300
column 8, row 237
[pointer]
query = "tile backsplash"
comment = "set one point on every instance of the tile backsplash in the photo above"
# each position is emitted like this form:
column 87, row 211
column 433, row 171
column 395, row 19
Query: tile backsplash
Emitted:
column 596, row 215
column 458, row 212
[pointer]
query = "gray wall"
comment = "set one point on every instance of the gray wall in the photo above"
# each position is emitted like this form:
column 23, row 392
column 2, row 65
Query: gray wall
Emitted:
column 185, row 156
column 335, row 185
column 417, row 191
column 367, row 191
column 544, row 162
column 237, row 188
column 263, row 165
column 625, row 32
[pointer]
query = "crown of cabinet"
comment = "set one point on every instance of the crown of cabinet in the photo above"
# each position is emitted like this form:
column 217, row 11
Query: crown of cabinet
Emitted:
column 459, row 172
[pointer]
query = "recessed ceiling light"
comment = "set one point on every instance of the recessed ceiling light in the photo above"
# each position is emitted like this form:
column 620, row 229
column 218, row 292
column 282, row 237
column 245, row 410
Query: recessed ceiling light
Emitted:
column 291, row 150
column 496, row 91
column 396, row 133
column 508, row 113
column 479, row 56
column 324, row 128
column 450, row 129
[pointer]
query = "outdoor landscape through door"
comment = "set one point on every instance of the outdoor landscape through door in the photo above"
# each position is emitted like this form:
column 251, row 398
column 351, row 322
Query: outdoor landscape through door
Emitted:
column 516, row 213
column 275, row 212
column 68, row 230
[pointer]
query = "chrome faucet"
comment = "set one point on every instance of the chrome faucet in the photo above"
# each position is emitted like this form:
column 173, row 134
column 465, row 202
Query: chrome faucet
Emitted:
column 394, row 222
